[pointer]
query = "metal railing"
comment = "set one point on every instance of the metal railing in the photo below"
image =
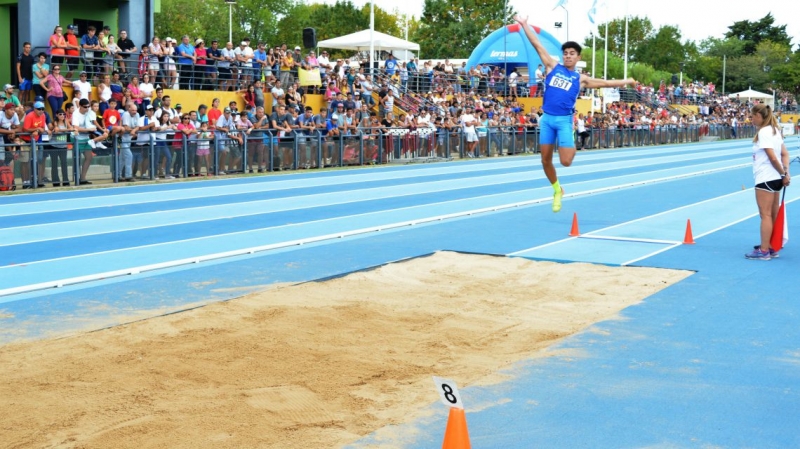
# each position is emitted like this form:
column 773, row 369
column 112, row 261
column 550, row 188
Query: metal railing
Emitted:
column 152, row 155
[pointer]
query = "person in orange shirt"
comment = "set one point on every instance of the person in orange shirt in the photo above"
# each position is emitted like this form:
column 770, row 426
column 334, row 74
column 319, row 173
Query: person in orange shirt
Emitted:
column 112, row 119
column 73, row 51
column 36, row 124
column 58, row 46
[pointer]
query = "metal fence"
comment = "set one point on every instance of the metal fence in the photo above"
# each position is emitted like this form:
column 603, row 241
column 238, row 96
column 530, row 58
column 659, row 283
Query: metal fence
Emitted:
column 69, row 160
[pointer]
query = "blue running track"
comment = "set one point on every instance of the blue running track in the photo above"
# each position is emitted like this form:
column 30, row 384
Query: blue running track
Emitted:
column 709, row 362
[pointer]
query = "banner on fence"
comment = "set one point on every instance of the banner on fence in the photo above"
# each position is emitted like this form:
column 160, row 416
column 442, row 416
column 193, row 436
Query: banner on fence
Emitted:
column 309, row 77
column 788, row 129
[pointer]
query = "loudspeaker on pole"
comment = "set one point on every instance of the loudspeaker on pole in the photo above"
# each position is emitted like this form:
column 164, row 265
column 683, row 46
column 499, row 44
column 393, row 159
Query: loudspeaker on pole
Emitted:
column 309, row 37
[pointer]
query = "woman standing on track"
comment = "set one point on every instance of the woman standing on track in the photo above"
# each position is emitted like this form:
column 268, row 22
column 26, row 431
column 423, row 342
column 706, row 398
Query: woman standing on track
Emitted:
column 771, row 174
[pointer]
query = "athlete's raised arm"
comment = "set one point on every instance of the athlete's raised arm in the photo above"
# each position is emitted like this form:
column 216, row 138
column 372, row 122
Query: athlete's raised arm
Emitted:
column 594, row 83
column 547, row 60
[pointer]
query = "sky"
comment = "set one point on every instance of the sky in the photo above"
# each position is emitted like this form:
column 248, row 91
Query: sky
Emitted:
column 696, row 19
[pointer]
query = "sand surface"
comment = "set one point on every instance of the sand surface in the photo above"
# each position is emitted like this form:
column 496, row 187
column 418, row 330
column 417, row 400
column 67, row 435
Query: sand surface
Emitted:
column 308, row 366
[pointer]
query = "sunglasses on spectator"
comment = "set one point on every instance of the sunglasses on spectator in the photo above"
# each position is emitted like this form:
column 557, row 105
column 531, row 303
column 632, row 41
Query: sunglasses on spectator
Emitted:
column 40, row 109
column 185, row 118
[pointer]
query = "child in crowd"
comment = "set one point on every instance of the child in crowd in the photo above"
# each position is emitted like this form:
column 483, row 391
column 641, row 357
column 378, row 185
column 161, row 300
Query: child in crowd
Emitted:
column 204, row 148
column 99, row 133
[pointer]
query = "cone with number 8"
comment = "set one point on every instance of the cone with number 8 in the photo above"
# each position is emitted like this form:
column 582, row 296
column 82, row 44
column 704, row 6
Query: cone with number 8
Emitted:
column 456, row 435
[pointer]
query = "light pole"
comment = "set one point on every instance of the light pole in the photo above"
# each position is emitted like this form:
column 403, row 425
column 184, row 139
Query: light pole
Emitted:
column 230, row 19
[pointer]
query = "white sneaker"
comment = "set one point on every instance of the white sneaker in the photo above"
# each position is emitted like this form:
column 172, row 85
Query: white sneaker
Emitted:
column 169, row 177
column 100, row 145
column 92, row 144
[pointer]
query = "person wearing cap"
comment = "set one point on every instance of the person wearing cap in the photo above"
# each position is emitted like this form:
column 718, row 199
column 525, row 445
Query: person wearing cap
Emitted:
column 36, row 125
column 72, row 51
column 187, row 57
column 8, row 94
column 201, row 52
column 333, row 133
column 244, row 56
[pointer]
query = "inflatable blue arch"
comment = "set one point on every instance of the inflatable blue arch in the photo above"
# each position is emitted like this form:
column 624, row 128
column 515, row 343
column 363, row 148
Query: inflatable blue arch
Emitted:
column 509, row 47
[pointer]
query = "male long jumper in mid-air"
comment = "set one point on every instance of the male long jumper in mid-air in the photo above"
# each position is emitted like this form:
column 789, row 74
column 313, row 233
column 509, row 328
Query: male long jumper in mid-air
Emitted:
column 562, row 87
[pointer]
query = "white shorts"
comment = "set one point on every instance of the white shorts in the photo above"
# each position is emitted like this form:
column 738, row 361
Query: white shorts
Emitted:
column 470, row 136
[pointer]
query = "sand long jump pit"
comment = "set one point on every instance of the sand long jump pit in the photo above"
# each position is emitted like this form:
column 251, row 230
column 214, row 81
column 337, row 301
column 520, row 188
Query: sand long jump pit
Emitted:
column 315, row 365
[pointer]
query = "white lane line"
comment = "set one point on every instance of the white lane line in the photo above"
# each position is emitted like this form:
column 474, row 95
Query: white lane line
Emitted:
column 251, row 250
column 647, row 180
column 662, row 250
column 672, row 244
column 149, row 220
column 670, row 211
column 628, row 239
column 278, row 185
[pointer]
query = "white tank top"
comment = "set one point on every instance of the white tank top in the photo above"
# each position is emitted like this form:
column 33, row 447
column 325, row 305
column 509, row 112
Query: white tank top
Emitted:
column 105, row 95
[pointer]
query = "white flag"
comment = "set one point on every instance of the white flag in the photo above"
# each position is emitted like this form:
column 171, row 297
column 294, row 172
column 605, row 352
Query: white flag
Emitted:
column 594, row 18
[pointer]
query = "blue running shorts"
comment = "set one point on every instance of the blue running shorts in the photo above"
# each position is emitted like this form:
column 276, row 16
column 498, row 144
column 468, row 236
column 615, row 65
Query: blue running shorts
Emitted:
column 557, row 126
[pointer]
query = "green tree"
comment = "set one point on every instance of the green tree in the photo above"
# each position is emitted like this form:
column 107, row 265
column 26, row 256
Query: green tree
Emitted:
column 639, row 30
column 452, row 29
column 290, row 26
column 664, row 51
column 787, row 75
column 729, row 47
column 752, row 33
column 209, row 19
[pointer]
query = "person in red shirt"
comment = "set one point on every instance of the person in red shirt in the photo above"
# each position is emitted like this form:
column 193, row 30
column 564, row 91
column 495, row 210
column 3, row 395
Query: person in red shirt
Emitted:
column 112, row 120
column 214, row 114
column 36, row 124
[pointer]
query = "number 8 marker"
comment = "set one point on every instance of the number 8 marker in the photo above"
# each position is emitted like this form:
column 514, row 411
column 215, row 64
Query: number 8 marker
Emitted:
column 448, row 392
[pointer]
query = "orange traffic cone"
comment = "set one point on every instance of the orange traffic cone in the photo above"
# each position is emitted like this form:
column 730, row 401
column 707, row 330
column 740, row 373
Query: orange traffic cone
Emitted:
column 687, row 238
column 574, row 232
column 456, row 435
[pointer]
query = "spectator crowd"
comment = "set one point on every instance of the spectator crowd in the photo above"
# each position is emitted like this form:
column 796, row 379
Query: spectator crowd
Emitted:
column 405, row 109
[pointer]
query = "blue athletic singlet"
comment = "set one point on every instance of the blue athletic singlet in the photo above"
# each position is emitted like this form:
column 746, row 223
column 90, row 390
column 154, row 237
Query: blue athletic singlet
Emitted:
column 561, row 91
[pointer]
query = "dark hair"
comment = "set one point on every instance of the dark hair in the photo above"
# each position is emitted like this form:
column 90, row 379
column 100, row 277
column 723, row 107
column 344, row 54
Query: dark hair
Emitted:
column 166, row 97
column 572, row 44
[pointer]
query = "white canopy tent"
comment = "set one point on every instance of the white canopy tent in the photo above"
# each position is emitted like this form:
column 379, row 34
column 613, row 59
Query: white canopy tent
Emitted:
column 360, row 41
column 751, row 94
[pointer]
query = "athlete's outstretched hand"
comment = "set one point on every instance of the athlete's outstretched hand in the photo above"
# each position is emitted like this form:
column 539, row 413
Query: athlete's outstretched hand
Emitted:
column 521, row 20
column 629, row 81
